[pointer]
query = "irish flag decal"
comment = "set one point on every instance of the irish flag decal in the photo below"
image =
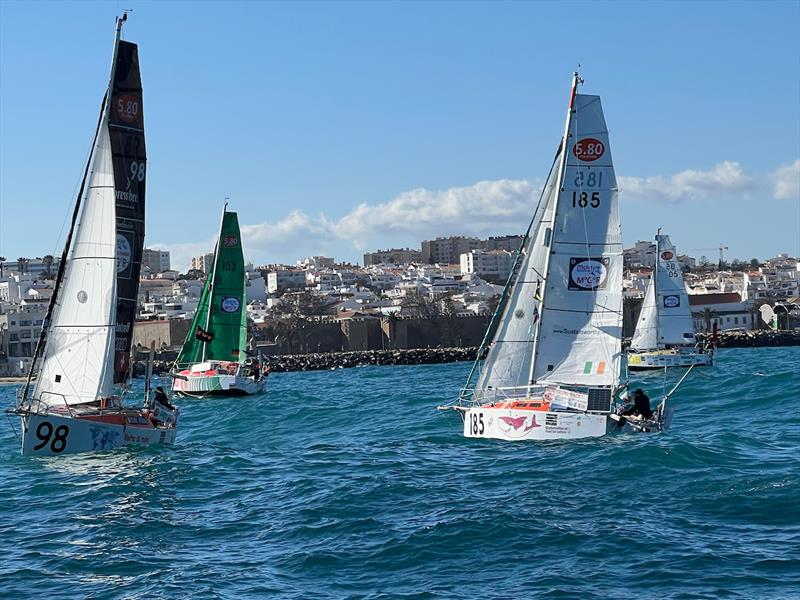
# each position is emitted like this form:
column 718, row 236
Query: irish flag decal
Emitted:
column 594, row 368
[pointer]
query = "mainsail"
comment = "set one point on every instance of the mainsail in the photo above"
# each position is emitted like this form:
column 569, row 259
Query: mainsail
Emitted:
column 219, row 327
column 562, row 322
column 580, row 331
column 126, row 128
column 666, row 317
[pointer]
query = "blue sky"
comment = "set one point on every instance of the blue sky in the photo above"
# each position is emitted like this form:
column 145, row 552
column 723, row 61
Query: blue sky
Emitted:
column 337, row 128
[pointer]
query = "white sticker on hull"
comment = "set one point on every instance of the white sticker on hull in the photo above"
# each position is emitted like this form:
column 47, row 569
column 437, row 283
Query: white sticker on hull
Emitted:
column 507, row 424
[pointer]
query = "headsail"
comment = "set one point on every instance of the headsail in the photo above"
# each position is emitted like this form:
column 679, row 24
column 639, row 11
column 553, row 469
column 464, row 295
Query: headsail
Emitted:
column 128, row 153
column 580, row 331
column 508, row 362
column 219, row 327
column 665, row 318
column 77, row 363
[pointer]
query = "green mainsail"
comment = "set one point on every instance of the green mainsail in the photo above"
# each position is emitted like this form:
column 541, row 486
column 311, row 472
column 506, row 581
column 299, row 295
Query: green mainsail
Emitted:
column 219, row 327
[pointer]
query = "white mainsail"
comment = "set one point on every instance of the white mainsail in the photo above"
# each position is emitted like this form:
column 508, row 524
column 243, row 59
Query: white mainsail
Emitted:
column 579, row 341
column 77, row 365
column 666, row 317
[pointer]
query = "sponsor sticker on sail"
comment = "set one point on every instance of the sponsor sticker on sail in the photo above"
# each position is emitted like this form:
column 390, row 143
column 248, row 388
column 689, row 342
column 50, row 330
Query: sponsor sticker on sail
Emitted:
column 667, row 255
column 588, row 149
column 672, row 301
column 587, row 274
column 230, row 304
column 230, row 240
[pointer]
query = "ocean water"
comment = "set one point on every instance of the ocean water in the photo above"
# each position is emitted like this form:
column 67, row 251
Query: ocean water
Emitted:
column 349, row 484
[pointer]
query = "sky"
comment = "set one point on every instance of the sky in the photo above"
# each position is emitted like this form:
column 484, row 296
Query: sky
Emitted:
column 340, row 128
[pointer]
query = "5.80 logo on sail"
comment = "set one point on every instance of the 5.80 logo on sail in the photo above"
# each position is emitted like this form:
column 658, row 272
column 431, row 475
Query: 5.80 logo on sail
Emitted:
column 588, row 274
column 588, row 149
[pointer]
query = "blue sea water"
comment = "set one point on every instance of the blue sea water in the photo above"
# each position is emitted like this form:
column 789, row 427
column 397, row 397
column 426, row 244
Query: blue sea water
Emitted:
column 349, row 484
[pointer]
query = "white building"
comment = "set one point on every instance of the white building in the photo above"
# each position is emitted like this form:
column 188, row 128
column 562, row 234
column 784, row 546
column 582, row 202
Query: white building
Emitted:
column 285, row 279
column 491, row 264
column 204, row 262
column 727, row 310
column 19, row 332
column 156, row 260
column 316, row 262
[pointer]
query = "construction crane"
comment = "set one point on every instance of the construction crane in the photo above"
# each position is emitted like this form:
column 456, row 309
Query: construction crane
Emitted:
column 721, row 249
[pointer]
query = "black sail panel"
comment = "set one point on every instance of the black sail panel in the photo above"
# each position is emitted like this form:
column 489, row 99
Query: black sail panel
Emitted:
column 126, row 126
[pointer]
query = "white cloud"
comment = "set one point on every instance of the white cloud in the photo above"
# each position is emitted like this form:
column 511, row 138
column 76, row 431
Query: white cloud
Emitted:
column 485, row 208
column 786, row 180
column 480, row 208
column 725, row 179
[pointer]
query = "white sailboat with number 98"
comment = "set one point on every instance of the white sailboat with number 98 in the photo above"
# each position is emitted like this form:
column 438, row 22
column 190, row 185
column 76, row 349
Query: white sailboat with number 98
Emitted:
column 553, row 348
column 85, row 341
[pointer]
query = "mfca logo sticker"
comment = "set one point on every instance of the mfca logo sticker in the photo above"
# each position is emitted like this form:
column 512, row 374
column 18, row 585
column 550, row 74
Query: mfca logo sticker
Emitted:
column 229, row 241
column 666, row 255
column 230, row 304
column 588, row 274
column 672, row 301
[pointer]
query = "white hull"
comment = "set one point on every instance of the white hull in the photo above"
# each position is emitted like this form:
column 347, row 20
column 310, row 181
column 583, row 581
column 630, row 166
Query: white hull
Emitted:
column 513, row 425
column 217, row 385
column 641, row 361
column 51, row 435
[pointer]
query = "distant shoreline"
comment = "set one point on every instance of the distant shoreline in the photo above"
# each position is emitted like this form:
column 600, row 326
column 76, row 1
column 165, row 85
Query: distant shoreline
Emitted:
column 417, row 356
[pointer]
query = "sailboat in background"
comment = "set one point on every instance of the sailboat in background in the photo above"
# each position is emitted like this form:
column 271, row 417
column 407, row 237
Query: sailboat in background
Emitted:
column 214, row 358
column 664, row 335
column 552, row 368
column 85, row 341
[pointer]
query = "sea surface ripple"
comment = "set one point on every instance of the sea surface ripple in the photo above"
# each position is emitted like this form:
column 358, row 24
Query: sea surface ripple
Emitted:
column 349, row 484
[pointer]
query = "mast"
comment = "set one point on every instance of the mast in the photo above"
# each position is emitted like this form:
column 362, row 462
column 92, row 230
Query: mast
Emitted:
column 62, row 265
column 655, row 284
column 213, row 277
column 559, row 182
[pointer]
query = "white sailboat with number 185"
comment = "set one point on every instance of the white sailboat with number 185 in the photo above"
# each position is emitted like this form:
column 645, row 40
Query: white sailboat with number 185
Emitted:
column 553, row 349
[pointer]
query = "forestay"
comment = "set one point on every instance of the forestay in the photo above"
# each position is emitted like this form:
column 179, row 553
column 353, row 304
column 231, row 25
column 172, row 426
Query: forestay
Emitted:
column 581, row 321
column 666, row 317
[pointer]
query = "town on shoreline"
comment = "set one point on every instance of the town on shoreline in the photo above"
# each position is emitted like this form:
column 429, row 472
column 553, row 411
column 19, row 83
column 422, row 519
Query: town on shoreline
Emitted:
column 403, row 306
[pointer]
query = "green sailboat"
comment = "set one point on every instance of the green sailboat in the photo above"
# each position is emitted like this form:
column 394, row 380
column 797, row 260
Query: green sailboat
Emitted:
column 214, row 358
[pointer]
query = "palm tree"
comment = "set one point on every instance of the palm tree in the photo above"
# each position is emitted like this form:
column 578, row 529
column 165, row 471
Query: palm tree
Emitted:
column 47, row 261
column 21, row 264
column 708, row 316
column 2, row 264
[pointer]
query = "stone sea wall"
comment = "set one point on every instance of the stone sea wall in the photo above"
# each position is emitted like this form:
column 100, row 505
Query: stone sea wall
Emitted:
column 754, row 339
column 422, row 356
column 333, row 360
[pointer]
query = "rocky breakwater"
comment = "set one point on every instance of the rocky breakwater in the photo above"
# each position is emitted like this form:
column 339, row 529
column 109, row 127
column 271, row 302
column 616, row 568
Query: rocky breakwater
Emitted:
column 753, row 339
column 334, row 360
